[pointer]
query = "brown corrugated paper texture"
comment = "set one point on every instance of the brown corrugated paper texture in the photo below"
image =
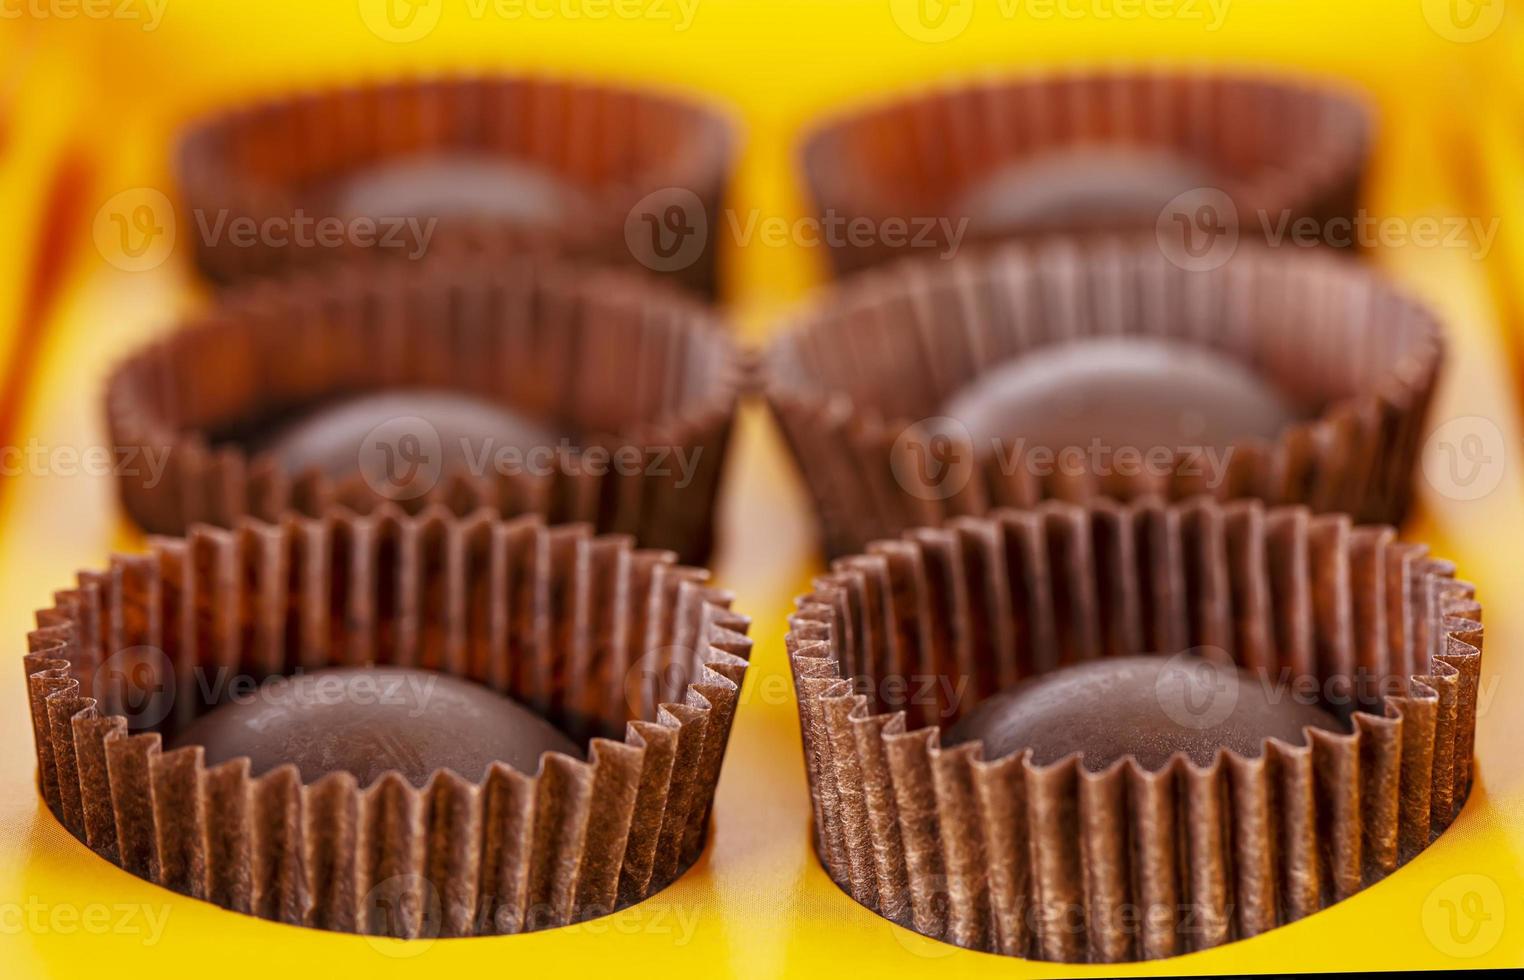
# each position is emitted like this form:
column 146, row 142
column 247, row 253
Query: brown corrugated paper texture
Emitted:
column 1273, row 146
column 617, row 644
column 625, row 363
column 1067, row 864
column 613, row 146
column 1356, row 357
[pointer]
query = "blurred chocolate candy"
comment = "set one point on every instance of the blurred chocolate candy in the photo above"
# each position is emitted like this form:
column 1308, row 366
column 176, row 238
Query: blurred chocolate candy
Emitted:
column 457, row 186
column 1078, row 189
column 393, row 430
column 1119, row 392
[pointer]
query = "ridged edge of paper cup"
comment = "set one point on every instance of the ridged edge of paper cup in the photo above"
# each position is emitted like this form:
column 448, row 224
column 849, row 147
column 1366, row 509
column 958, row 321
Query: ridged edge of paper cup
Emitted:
column 1282, row 145
column 856, row 376
column 1063, row 863
column 607, row 641
column 543, row 338
column 582, row 130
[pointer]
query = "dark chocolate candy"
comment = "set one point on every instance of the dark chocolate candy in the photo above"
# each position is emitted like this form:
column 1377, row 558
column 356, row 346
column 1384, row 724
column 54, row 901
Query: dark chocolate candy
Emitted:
column 368, row 720
column 436, row 429
column 1083, row 188
column 1142, row 393
column 1148, row 707
column 456, row 185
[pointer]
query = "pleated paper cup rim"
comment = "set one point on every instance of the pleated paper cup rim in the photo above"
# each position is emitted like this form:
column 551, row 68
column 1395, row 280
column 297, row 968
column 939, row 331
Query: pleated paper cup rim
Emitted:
column 956, row 122
column 1043, row 861
column 349, row 313
column 1360, row 355
column 506, row 852
column 704, row 138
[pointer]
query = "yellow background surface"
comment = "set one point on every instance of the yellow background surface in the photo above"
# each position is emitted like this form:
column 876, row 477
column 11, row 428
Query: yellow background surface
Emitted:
column 91, row 92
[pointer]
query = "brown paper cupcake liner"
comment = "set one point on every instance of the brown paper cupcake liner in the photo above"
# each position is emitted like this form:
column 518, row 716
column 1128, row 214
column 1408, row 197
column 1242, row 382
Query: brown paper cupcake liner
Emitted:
column 1063, row 863
column 606, row 641
column 287, row 159
column 634, row 368
column 1278, row 147
column 858, row 380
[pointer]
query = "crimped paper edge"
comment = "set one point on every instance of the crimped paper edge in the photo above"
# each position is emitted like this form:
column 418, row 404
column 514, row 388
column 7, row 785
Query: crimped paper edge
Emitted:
column 68, row 727
column 823, row 691
column 1325, row 186
column 826, row 430
column 210, row 182
column 219, row 485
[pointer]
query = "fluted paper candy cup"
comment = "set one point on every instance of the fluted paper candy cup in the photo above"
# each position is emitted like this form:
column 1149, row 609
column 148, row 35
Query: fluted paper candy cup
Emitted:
column 627, row 390
column 626, row 652
column 519, row 164
column 975, row 163
column 1062, row 859
column 871, row 383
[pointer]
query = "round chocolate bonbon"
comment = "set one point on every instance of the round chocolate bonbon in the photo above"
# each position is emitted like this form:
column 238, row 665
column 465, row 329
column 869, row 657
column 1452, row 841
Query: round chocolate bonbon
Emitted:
column 1079, row 189
column 1149, row 708
column 440, row 429
column 371, row 720
column 1115, row 392
column 456, row 185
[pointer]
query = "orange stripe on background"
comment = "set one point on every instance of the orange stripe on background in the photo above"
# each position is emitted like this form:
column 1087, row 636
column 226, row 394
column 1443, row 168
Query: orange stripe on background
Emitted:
column 63, row 215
